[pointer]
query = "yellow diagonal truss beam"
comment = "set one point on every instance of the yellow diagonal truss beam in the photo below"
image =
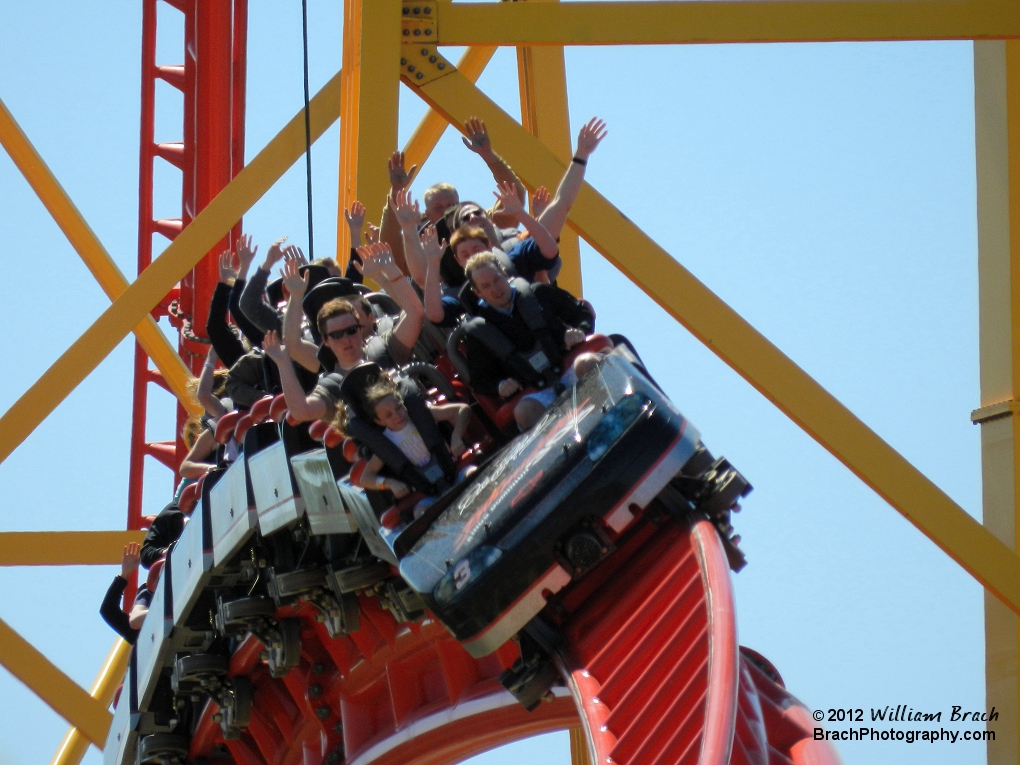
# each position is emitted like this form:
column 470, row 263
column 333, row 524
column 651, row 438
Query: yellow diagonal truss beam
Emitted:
column 61, row 693
column 131, row 307
column 74, row 745
column 744, row 349
column 92, row 252
column 64, row 548
column 646, row 23
column 423, row 140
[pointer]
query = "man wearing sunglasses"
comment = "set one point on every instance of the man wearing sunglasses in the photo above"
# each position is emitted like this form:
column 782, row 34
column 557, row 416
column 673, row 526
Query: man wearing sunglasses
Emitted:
column 341, row 332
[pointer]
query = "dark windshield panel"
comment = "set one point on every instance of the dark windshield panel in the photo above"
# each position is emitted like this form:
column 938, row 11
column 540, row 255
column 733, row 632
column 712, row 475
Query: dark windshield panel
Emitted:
column 520, row 476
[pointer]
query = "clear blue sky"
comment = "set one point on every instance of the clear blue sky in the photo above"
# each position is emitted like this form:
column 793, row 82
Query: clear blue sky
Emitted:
column 826, row 192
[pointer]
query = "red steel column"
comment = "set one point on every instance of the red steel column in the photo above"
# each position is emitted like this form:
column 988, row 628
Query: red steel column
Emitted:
column 214, row 108
column 212, row 83
column 238, row 95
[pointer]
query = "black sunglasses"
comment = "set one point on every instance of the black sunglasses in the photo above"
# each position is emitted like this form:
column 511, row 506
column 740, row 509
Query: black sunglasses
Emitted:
column 338, row 334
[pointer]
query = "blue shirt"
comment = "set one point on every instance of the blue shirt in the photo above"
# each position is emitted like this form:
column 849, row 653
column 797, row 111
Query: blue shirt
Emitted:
column 528, row 260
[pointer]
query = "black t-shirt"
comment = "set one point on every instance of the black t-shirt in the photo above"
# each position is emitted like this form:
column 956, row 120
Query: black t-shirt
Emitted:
column 165, row 530
column 112, row 613
column 560, row 310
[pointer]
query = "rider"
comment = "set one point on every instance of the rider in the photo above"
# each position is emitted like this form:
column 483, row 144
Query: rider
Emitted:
column 427, row 455
column 342, row 336
column 519, row 337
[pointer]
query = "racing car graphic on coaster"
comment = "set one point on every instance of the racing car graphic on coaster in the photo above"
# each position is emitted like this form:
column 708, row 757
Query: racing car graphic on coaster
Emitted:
column 546, row 509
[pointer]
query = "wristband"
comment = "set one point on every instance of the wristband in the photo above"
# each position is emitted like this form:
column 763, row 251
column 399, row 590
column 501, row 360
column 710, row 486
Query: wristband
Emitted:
column 209, row 365
column 579, row 161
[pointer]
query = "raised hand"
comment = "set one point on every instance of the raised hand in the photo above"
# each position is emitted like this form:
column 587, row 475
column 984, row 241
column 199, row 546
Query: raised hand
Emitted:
column 477, row 139
column 433, row 247
column 245, row 253
column 274, row 255
column 276, row 350
column 293, row 252
column 131, row 559
column 377, row 263
column 399, row 177
column 408, row 214
column 540, row 201
column 295, row 282
column 228, row 273
column 589, row 137
column 355, row 216
column 507, row 199
column 372, row 235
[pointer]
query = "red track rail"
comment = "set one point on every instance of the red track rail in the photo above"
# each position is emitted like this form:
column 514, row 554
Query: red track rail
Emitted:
column 387, row 694
column 651, row 655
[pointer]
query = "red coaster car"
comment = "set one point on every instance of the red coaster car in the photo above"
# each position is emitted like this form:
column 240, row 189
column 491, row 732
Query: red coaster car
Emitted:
column 552, row 504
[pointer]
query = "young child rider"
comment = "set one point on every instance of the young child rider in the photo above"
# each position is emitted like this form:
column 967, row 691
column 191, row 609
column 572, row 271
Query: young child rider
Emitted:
column 386, row 405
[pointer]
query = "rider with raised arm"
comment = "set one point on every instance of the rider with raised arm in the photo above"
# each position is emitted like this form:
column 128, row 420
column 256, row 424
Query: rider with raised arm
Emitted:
column 127, row 625
column 553, row 214
column 253, row 300
column 388, row 345
column 341, row 334
column 441, row 197
column 539, row 252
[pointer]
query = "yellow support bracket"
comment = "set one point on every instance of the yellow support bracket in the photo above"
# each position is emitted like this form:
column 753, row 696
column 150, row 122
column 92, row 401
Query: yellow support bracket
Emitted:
column 92, row 252
column 64, row 548
column 747, row 21
column 745, row 349
column 423, row 140
column 132, row 306
column 74, row 744
column 61, row 693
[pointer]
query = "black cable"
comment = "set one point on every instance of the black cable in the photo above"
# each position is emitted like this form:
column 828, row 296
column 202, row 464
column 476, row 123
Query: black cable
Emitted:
column 308, row 130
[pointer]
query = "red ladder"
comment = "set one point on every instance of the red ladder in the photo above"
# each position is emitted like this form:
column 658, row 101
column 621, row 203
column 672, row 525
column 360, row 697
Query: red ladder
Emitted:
column 211, row 152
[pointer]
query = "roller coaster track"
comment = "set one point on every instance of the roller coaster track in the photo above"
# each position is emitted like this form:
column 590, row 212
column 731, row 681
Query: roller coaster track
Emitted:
column 647, row 651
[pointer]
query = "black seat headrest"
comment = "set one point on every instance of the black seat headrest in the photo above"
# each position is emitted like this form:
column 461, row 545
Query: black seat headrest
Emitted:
column 317, row 274
column 356, row 382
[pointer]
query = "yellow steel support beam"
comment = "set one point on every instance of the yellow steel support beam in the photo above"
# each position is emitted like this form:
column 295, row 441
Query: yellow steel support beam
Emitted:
column 371, row 97
column 997, row 123
column 542, row 76
column 131, row 307
column 61, row 693
column 64, row 548
column 92, row 252
column 746, row 350
column 579, row 754
column 423, row 140
column 643, row 23
column 74, row 745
